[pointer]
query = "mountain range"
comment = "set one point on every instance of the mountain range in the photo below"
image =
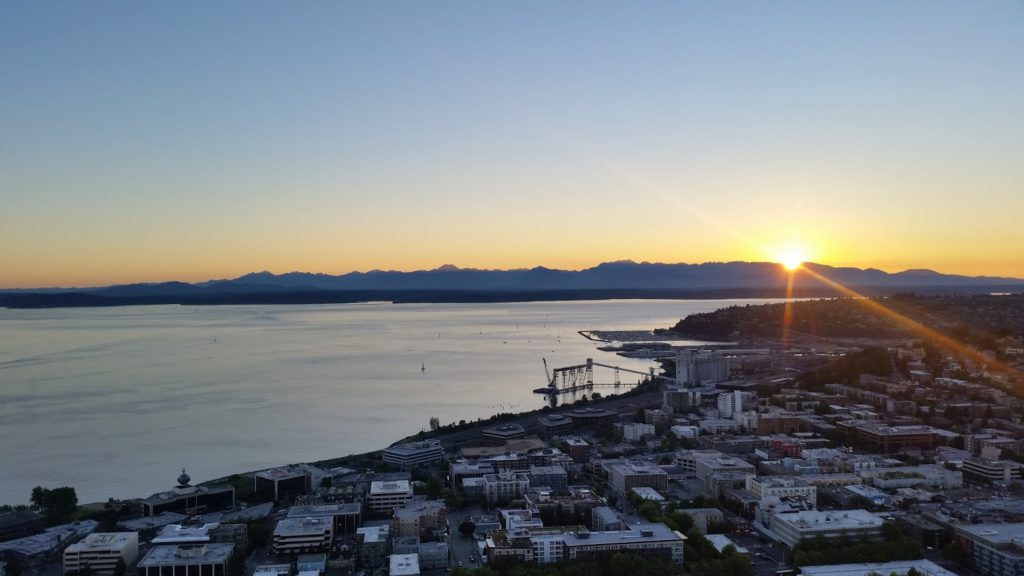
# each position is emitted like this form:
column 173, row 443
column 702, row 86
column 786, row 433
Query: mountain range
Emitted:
column 624, row 279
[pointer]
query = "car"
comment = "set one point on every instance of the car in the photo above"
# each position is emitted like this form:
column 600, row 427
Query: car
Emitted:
column 460, row 564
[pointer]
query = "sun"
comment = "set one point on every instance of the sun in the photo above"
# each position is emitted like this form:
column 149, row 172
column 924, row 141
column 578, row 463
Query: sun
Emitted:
column 792, row 258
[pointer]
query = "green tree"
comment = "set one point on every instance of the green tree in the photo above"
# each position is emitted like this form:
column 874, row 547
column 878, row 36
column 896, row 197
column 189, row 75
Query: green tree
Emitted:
column 467, row 528
column 58, row 504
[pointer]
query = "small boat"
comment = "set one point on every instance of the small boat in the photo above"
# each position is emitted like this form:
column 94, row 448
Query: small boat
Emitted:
column 423, row 367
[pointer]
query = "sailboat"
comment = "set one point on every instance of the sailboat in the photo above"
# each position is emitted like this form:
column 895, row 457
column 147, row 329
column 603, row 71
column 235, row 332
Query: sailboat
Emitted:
column 423, row 367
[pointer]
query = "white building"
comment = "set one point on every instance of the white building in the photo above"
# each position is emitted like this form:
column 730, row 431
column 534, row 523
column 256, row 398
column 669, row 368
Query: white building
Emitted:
column 303, row 535
column 782, row 486
column 505, row 486
column 414, row 453
column 187, row 560
column 101, row 551
column 404, row 565
column 385, row 496
column 730, row 404
column 792, row 527
column 635, row 431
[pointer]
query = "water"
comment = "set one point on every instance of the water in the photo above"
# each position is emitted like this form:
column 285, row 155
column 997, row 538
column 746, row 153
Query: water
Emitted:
column 115, row 401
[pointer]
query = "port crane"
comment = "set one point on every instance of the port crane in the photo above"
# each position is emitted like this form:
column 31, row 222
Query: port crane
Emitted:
column 581, row 377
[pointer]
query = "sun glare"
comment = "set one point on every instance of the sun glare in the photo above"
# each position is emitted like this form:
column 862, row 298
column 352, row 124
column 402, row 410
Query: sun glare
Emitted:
column 792, row 259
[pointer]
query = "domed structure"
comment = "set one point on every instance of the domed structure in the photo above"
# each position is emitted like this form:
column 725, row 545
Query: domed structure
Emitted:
column 183, row 479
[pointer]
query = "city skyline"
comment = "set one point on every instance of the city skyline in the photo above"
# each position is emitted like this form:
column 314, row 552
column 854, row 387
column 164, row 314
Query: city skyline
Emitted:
column 148, row 143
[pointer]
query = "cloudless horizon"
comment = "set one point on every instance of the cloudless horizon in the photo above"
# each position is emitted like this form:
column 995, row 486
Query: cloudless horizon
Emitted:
column 146, row 142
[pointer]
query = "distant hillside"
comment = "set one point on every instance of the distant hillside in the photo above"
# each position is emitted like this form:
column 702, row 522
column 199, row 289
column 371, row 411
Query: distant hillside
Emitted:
column 452, row 284
column 975, row 318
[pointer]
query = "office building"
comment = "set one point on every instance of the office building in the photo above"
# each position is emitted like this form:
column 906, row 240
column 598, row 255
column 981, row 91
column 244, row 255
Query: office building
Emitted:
column 187, row 560
column 302, row 535
column 636, row 431
column 505, row 486
column 897, row 568
column 792, row 527
column 432, row 555
column 346, row 517
column 101, row 551
column 373, row 544
column 284, row 483
column 419, row 516
column 414, row 453
column 553, row 477
column 499, row 435
column 385, row 496
column 995, row 549
column 187, row 499
column 781, row 487
column 623, row 477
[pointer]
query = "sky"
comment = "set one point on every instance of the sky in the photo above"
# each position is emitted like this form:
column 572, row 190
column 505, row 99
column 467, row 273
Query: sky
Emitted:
column 190, row 140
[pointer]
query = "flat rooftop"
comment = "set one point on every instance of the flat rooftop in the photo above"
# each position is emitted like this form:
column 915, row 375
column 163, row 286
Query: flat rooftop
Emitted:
column 152, row 522
column 49, row 539
column 392, row 487
column 176, row 533
column 995, row 534
column 404, row 565
column 324, row 510
column 107, row 540
column 637, row 533
column 901, row 567
column 289, row 526
column 374, row 533
column 412, row 448
column 187, row 555
column 840, row 519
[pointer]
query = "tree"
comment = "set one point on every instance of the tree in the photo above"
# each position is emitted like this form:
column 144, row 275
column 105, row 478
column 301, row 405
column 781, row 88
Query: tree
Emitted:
column 58, row 504
column 434, row 423
column 467, row 528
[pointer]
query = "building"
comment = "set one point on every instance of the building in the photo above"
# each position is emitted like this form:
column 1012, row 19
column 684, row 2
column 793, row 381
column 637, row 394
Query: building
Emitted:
column 282, row 483
column 604, row 519
column 645, row 493
column 578, row 448
column 792, row 527
column 404, row 565
column 781, row 486
column 346, row 517
column 995, row 549
column 101, row 551
column 373, row 546
column 913, row 476
column 879, row 437
column 187, row 560
column 704, row 517
column 505, row 486
column 47, row 546
column 553, row 477
column 461, row 470
column 414, row 453
column 188, row 499
column 636, row 431
column 303, row 535
column 623, row 477
column 999, row 471
column 730, row 404
column 419, row 516
column 718, row 425
column 647, row 540
column 433, row 555
column 499, row 435
column 20, row 524
column 385, row 496
column 554, row 423
column 899, row 568
column 703, row 463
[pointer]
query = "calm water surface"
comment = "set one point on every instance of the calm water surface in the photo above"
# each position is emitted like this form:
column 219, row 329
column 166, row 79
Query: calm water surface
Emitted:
column 115, row 401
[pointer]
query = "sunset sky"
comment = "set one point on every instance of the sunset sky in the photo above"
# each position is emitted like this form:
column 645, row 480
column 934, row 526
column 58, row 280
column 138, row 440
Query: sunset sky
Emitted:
column 189, row 140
